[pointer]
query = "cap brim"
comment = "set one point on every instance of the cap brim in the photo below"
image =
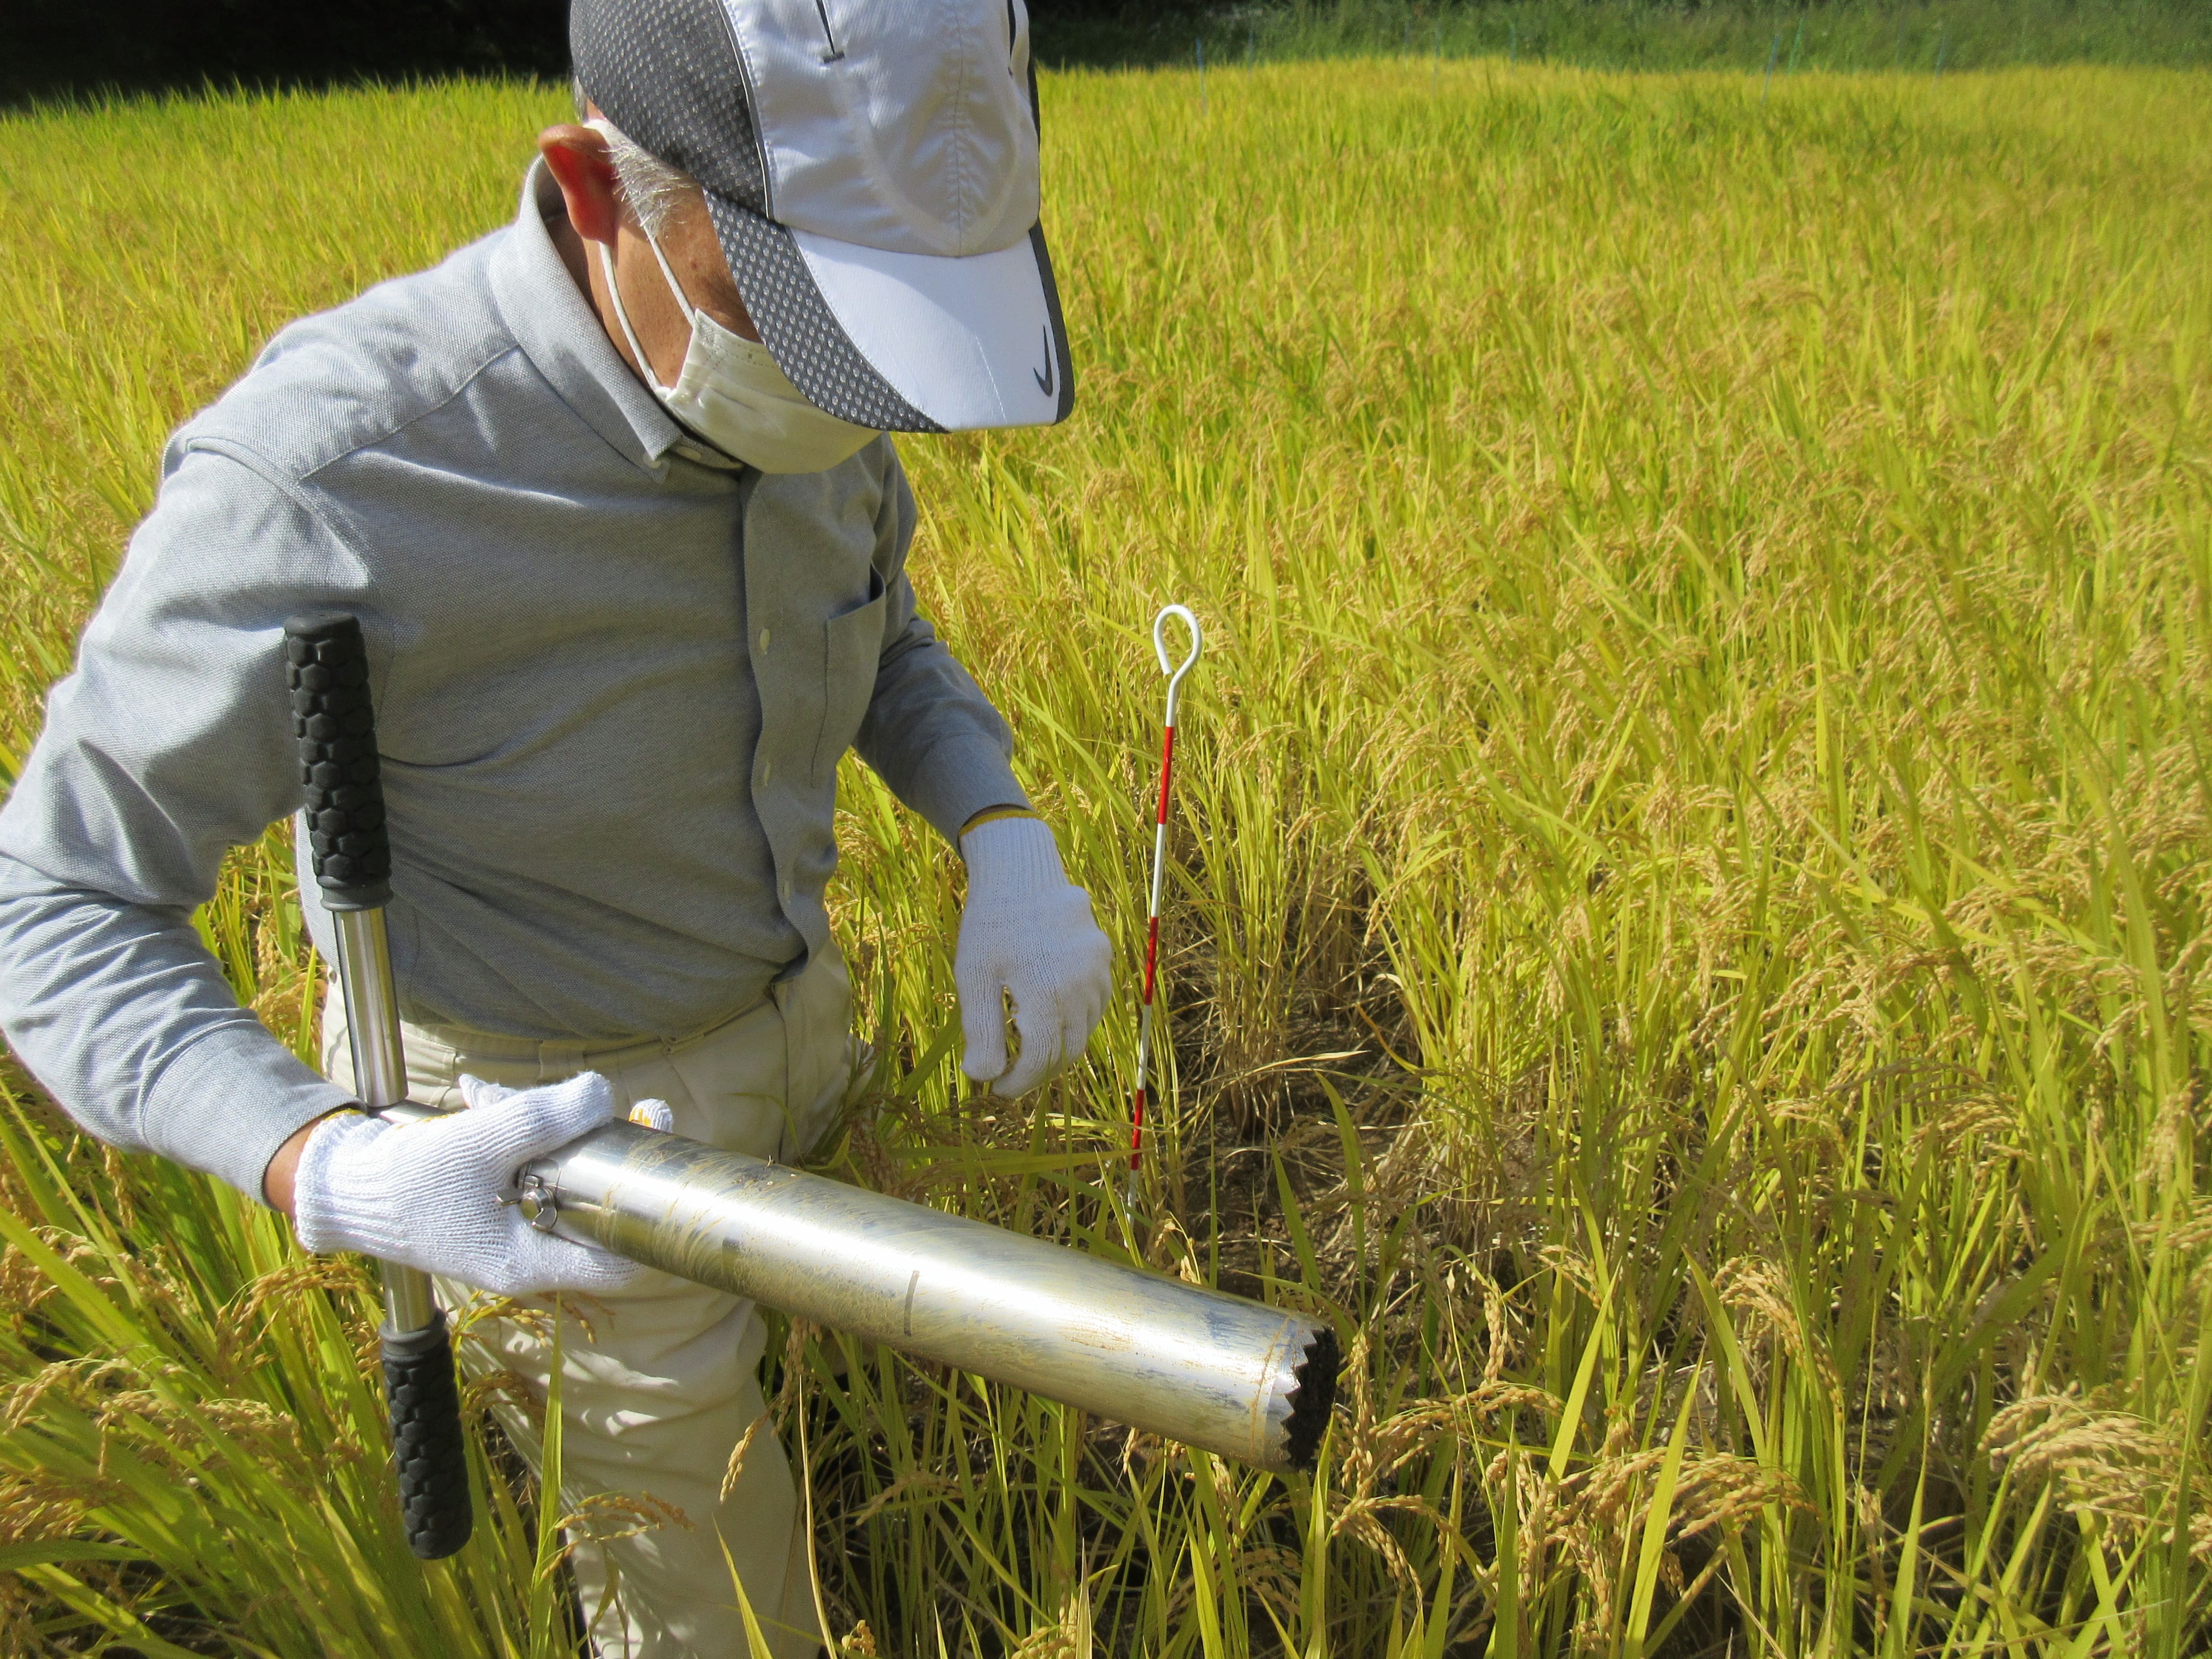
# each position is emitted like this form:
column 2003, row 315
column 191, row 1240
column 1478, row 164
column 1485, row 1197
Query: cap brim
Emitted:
column 905, row 342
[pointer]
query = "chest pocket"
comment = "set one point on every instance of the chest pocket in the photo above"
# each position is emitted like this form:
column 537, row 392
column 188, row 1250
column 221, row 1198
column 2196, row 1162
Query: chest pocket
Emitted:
column 852, row 645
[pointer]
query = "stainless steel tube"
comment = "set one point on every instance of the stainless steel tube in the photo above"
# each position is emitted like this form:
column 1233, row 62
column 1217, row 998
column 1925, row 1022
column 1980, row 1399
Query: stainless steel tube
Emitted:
column 1194, row 1365
column 372, row 1007
column 380, row 1072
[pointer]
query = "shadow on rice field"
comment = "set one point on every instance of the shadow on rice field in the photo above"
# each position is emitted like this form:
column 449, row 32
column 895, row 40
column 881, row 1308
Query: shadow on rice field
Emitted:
column 1688, row 931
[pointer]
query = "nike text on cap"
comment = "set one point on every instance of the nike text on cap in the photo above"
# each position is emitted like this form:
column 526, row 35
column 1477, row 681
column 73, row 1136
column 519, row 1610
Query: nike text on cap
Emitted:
column 871, row 169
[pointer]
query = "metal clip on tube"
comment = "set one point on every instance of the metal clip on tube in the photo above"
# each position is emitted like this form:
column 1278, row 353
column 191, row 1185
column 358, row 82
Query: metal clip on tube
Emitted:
column 327, row 667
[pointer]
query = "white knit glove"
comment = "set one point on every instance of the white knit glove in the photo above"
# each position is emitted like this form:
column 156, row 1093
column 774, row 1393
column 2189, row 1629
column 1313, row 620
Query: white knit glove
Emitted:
column 1026, row 931
column 429, row 1193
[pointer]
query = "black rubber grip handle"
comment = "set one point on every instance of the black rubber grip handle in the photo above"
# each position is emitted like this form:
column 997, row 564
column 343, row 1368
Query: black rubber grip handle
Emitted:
column 327, row 669
column 425, row 1438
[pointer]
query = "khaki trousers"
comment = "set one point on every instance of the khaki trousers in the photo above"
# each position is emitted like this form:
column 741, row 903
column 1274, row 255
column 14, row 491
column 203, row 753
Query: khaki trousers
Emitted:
column 662, row 1386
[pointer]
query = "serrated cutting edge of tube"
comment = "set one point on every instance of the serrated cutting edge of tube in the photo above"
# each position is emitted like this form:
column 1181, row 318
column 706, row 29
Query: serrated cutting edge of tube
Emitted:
column 1313, row 1399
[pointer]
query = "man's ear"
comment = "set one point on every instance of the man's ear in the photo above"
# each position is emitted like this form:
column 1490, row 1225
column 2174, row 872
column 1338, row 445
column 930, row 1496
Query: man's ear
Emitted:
column 578, row 160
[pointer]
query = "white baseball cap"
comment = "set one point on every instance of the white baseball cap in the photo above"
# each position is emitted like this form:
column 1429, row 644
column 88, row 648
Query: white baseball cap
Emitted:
column 871, row 166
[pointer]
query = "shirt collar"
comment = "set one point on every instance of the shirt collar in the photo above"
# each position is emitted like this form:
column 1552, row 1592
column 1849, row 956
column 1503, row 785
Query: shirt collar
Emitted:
column 564, row 339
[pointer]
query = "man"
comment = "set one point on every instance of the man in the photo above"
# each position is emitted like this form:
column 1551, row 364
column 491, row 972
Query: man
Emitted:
column 610, row 494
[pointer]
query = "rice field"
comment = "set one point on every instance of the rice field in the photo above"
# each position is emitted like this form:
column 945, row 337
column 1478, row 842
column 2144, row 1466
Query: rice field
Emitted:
column 1688, row 937
column 1930, row 37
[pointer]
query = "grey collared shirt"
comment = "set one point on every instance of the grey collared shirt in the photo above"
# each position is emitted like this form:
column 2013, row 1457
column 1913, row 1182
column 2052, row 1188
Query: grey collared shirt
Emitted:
column 612, row 685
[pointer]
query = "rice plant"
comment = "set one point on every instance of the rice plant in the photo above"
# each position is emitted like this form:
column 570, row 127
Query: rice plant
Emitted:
column 1688, row 924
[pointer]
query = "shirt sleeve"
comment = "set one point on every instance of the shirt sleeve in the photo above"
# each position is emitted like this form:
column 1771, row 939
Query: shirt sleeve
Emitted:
column 169, row 744
column 930, row 732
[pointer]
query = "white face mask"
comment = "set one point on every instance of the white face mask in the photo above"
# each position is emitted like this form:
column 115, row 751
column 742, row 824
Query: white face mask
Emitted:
column 731, row 392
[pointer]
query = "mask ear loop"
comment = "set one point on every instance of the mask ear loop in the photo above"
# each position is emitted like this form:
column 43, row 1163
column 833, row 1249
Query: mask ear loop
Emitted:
column 682, row 301
column 622, row 316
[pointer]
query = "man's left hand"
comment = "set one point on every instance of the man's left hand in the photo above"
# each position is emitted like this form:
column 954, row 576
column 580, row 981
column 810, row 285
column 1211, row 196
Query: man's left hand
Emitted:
column 1026, row 932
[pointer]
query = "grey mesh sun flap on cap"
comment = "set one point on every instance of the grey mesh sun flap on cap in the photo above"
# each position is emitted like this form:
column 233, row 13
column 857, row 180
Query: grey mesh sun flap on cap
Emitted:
column 872, row 170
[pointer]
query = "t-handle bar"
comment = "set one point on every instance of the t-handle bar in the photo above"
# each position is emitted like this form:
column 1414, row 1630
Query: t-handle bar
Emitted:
column 327, row 667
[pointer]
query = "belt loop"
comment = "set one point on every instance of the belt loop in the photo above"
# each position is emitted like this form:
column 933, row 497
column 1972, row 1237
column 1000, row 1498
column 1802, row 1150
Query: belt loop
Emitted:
column 558, row 1060
column 786, row 1006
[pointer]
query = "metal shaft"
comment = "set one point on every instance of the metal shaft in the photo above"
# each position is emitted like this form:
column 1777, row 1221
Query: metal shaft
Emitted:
column 379, row 1071
column 1193, row 1364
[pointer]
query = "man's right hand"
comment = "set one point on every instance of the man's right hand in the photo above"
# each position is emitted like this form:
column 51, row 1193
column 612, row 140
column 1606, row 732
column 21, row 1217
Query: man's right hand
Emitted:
column 430, row 1194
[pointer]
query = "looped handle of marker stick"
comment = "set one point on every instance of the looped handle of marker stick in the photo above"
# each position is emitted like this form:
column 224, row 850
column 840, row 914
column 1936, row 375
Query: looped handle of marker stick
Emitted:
column 1166, row 663
column 349, row 843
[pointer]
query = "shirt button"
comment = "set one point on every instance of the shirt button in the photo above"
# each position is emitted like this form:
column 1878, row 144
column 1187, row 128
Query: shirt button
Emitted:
column 687, row 451
column 783, row 889
column 767, row 769
column 763, row 639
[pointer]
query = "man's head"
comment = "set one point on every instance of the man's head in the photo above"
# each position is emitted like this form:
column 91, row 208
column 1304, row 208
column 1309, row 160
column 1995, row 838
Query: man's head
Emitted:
column 855, row 184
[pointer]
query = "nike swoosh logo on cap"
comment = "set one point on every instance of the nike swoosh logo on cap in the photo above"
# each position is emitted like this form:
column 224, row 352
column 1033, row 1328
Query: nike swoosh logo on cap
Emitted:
column 1049, row 375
